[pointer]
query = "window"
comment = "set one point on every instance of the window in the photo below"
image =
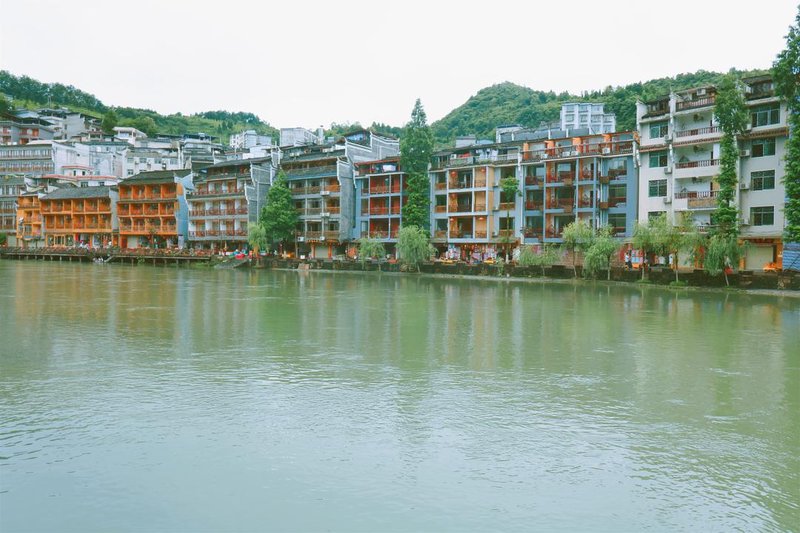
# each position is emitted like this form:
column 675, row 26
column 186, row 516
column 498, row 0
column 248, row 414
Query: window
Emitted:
column 762, row 180
column 652, row 215
column 763, row 147
column 658, row 188
column 658, row 159
column 765, row 115
column 658, row 129
column 762, row 216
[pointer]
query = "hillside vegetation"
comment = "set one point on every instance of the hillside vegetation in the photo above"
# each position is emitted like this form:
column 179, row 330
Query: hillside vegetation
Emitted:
column 507, row 103
column 504, row 103
column 30, row 93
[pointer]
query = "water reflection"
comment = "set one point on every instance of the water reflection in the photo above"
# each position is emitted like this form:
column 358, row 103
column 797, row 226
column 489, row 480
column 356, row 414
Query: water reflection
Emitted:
column 476, row 403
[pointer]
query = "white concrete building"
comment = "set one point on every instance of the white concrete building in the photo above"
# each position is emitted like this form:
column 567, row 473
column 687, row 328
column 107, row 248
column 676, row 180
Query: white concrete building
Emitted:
column 249, row 139
column 679, row 163
column 582, row 115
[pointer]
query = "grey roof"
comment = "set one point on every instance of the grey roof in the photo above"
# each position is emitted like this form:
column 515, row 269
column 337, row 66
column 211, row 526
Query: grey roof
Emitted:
column 78, row 192
column 156, row 176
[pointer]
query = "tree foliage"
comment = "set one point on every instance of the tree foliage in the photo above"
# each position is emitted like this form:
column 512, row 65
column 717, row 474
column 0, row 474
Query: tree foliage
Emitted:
column 256, row 236
column 413, row 246
column 5, row 105
column 598, row 255
column 370, row 249
column 723, row 252
column 279, row 216
column 542, row 257
column 643, row 239
column 731, row 113
column 578, row 237
column 786, row 72
column 509, row 188
column 110, row 121
column 666, row 238
column 416, row 146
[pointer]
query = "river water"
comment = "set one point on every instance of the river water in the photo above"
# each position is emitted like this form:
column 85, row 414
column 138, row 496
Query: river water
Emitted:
column 164, row 399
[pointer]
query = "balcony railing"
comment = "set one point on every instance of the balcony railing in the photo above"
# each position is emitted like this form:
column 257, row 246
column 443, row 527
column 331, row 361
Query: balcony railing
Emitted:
column 616, row 200
column 695, row 164
column 439, row 235
column 532, row 233
column 697, row 131
column 533, row 206
column 439, row 186
column 218, row 192
column 459, row 234
column 480, row 207
column 507, row 206
column 533, row 181
column 440, row 209
column 480, row 234
column 693, row 104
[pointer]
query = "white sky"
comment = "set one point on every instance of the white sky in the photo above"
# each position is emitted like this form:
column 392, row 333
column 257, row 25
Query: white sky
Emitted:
column 309, row 63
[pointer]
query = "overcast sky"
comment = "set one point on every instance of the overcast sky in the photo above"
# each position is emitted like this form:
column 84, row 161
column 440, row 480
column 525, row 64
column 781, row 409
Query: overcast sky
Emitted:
column 309, row 63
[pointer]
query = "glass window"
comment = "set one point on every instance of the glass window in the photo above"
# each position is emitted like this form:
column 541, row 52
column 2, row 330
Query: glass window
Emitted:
column 765, row 115
column 658, row 159
column 659, row 129
column 657, row 188
column 762, row 180
column 762, row 216
column 763, row 147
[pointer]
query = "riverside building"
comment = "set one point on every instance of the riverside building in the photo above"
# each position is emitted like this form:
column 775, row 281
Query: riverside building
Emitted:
column 679, row 163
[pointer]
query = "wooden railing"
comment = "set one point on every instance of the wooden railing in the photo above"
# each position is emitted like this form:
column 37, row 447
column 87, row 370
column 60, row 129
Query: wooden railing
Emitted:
column 692, row 104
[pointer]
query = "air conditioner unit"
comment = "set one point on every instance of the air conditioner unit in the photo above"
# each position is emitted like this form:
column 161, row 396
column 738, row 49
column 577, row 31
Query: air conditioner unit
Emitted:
column 667, row 199
column 668, row 138
column 744, row 222
column 668, row 169
column 744, row 185
column 701, row 92
column 606, row 150
column 744, row 153
column 573, row 152
column 544, row 156
column 301, row 239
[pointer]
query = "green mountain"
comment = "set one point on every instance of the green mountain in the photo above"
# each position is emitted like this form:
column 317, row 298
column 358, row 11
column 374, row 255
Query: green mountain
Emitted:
column 507, row 103
column 504, row 103
column 30, row 93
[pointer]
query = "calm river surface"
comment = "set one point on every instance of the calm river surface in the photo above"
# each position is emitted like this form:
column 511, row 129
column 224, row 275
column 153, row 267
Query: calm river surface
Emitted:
column 164, row 399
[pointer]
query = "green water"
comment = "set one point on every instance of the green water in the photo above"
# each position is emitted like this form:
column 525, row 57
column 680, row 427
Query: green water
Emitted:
column 164, row 399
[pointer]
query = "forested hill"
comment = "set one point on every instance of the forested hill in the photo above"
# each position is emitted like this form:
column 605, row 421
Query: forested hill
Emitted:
column 30, row 93
column 504, row 103
column 507, row 103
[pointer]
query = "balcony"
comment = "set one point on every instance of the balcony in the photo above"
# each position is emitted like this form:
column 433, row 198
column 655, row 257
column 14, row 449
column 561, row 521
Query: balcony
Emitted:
column 480, row 234
column 694, row 104
column 697, row 200
column 461, row 234
column 615, row 201
column 480, row 207
column 314, row 172
column 213, row 192
column 534, row 205
column 565, row 178
column 533, row 181
column 460, row 208
column 552, row 233
column 507, row 233
column 439, row 235
column 378, row 210
column 532, row 233
column 440, row 209
column 586, row 203
column 698, row 131
column 697, row 164
column 439, row 186
column 507, row 206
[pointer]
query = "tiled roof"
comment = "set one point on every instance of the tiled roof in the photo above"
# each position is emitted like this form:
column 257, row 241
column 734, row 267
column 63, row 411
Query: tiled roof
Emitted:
column 156, row 176
column 78, row 192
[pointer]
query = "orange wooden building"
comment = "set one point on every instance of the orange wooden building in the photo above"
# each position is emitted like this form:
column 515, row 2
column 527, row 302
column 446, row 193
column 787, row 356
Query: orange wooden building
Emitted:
column 79, row 215
column 152, row 209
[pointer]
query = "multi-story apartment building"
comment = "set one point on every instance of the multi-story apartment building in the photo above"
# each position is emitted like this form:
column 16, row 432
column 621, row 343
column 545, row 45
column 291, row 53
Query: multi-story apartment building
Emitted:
column 588, row 116
column 10, row 188
column 321, row 180
column 559, row 180
column 79, row 215
column 380, row 196
column 152, row 209
column 470, row 218
column 21, row 131
column 679, row 163
column 248, row 139
column 29, row 221
column 33, row 160
column 225, row 198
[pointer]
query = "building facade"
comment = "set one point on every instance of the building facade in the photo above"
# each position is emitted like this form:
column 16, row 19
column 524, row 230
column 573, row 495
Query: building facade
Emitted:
column 558, row 180
column 226, row 197
column 152, row 209
column 381, row 193
column 11, row 187
column 79, row 215
column 679, row 164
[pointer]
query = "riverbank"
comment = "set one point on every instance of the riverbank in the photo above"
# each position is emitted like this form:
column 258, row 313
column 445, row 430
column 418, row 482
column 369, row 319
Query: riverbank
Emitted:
column 778, row 283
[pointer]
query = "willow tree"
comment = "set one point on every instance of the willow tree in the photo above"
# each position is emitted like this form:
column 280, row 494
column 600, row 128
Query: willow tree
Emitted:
column 731, row 113
column 416, row 147
column 578, row 237
column 786, row 73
